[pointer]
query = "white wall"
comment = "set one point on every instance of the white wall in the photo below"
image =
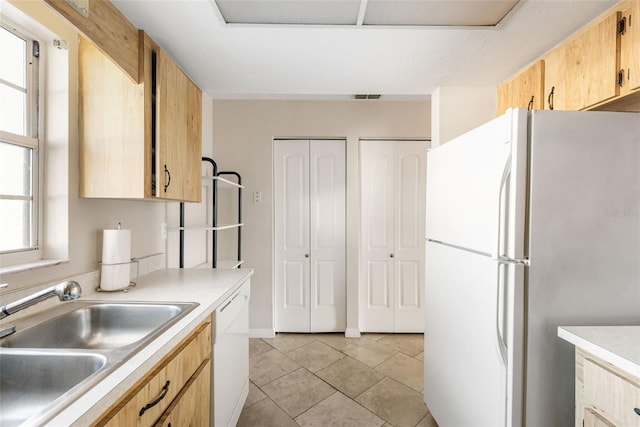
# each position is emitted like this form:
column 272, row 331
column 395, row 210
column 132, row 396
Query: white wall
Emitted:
column 87, row 217
column 456, row 110
column 243, row 133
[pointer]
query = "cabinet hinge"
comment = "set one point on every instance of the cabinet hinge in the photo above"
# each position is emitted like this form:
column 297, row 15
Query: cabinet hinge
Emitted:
column 622, row 25
column 620, row 78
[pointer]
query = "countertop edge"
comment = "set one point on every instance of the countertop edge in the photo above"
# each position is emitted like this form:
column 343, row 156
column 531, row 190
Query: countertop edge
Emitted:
column 97, row 400
column 600, row 350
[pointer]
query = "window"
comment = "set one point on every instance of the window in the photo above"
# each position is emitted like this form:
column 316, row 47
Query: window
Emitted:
column 19, row 141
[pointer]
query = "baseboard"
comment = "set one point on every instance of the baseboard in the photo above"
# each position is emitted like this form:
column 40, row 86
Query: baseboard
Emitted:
column 262, row 333
column 352, row 333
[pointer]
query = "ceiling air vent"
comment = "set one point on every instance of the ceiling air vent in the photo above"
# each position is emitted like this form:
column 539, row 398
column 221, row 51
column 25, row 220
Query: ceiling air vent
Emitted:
column 363, row 96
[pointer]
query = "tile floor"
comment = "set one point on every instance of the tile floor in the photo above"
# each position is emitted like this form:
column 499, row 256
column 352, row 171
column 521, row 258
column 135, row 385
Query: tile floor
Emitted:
column 330, row 380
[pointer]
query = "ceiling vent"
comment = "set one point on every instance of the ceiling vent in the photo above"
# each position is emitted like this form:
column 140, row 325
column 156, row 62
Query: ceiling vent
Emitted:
column 363, row 96
column 363, row 13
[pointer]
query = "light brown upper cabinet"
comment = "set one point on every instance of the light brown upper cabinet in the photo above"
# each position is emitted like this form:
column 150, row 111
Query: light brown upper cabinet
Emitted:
column 524, row 90
column 138, row 140
column 582, row 71
column 630, row 48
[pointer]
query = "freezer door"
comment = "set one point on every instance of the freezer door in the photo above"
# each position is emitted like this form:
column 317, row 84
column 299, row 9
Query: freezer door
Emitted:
column 476, row 188
column 472, row 341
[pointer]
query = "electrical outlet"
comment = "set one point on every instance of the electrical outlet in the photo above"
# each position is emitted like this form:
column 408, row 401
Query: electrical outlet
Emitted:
column 163, row 230
column 257, row 196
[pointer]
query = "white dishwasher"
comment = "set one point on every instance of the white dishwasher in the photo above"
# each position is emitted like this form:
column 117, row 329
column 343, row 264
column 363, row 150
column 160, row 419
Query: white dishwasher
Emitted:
column 230, row 373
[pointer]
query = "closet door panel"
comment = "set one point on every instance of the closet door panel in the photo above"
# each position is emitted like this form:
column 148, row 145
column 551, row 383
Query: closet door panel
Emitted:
column 377, row 164
column 291, row 178
column 392, row 274
column 328, row 234
column 410, row 235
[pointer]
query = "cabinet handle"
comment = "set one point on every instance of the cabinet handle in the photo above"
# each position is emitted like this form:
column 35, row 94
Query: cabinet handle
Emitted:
column 391, row 255
column 161, row 396
column 166, row 171
column 530, row 105
column 550, row 97
column 622, row 25
column 306, row 255
column 620, row 79
column 636, row 410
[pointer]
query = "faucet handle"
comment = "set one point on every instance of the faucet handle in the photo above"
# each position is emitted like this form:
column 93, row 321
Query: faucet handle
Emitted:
column 69, row 290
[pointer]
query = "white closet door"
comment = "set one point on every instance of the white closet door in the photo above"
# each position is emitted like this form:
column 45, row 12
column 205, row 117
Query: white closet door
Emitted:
column 328, row 234
column 410, row 235
column 291, row 176
column 310, row 217
column 377, row 165
column 393, row 210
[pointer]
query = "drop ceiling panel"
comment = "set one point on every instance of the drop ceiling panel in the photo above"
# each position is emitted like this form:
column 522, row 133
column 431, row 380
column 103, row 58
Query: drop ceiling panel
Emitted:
column 458, row 13
column 293, row 12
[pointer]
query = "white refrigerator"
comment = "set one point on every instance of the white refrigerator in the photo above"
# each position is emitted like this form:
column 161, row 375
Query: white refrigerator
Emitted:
column 533, row 221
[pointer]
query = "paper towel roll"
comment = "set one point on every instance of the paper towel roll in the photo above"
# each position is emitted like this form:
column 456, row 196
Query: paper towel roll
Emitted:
column 116, row 246
column 114, row 277
column 116, row 258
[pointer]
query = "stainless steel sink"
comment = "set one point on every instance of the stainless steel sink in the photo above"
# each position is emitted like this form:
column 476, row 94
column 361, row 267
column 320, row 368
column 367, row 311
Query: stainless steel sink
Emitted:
column 98, row 326
column 31, row 381
column 55, row 357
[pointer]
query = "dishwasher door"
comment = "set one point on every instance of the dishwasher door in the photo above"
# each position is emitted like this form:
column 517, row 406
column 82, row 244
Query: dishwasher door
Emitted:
column 230, row 373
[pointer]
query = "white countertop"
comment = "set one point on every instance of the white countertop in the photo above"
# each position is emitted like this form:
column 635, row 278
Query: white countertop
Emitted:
column 618, row 345
column 208, row 287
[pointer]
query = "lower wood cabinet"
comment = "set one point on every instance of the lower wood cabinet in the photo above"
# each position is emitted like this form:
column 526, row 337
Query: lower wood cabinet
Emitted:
column 605, row 395
column 173, row 391
column 187, row 408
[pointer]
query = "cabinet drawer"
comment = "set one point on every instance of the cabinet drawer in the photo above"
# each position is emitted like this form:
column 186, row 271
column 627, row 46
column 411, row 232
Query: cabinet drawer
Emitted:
column 163, row 384
column 188, row 408
column 611, row 395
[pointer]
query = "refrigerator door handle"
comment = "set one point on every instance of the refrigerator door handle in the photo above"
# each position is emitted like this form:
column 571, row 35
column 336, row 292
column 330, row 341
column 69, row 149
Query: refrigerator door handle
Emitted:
column 502, row 345
column 506, row 172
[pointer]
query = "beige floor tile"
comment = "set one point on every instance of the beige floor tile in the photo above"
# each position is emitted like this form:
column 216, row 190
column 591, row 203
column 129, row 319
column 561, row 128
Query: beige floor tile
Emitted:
column 350, row 376
column 298, row 391
column 394, row 402
column 255, row 395
column 258, row 347
column 339, row 411
column 270, row 366
column 407, row 370
column 410, row 344
column 369, row 352
column 427, row 421
column 420, row 356
column 335, row 340
column 287, row 342
column 265, row 414
column 373, row 336
column 315, row 355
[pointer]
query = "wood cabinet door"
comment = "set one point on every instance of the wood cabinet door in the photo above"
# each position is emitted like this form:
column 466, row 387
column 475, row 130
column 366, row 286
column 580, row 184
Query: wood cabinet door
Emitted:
column 524, row 90
column 630, row 48
column 591, row 419
column 190, row 409
column 179, row 133
column 582, row 71
column 111, row 127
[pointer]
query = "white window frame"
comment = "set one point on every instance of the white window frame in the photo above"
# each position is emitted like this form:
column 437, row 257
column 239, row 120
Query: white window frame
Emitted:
column 34, row 141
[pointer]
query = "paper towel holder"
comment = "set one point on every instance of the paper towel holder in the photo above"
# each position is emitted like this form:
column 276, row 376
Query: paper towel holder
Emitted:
column 131, row 284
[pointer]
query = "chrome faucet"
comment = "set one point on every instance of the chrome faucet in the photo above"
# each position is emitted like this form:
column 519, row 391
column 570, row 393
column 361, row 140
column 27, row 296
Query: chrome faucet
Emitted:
column 65, row 291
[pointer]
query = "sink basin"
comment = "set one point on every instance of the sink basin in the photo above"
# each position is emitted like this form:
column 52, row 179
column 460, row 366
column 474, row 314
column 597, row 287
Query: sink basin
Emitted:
column 99, row 326
column 55, row 357
column 31, row 381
